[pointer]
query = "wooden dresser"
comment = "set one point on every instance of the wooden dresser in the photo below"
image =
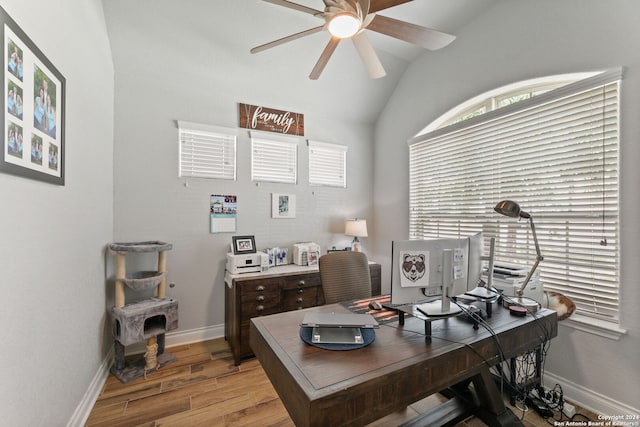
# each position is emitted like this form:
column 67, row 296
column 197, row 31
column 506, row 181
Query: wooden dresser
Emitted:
column 284, row 288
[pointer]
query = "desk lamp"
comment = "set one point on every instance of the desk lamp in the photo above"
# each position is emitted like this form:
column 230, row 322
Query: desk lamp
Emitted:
column 512, row 209
column 356, row 228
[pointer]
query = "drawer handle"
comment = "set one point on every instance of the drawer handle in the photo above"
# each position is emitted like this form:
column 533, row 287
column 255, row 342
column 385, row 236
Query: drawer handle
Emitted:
column 301, row 283
column 300, row 291
column 299, row 299
column 260, row 298
column 260, row 288
column 260, row 308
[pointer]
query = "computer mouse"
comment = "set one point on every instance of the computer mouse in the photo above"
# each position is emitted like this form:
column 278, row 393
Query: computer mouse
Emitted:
column 375, row 305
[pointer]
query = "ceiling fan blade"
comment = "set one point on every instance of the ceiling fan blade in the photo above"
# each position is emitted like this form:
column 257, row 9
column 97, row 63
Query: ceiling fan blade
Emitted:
column 295, row 6
column 365, row 5
column 421, row 36
column 286, row 39
column 368, row 56
column 378, row 5
column 324, row 58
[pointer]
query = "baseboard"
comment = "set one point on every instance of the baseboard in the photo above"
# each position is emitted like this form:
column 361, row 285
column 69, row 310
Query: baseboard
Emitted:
column 588, row 399
column 172, row 339
column 83, row 410
column 81, row 414
column 194, row 335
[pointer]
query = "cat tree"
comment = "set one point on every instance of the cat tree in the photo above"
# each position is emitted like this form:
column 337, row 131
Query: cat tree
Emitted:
column 148, row 319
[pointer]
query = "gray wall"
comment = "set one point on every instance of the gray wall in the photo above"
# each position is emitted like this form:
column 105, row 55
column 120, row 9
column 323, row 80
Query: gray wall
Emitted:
column 513, row 41
column 168, row 69
column 52, row 251
column 53, row 238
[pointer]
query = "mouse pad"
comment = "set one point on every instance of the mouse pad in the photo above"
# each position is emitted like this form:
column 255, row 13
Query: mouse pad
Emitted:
column 362, row 306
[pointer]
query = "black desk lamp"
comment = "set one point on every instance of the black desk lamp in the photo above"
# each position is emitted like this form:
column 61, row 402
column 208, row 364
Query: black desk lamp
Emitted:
column 512, row 209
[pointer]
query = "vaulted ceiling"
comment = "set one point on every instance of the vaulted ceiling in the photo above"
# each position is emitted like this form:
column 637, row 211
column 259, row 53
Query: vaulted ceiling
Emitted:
column 221, row 33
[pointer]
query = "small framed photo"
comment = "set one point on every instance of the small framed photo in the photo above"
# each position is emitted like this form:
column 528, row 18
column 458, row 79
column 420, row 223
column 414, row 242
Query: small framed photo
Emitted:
column 282, row 256
column 312, row 257
column 283, row 205
column 244, row 245
column 272, row 252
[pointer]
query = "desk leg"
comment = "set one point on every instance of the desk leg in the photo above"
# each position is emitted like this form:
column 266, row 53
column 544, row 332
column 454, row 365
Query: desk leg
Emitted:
column 483, row 401
column 490, row 408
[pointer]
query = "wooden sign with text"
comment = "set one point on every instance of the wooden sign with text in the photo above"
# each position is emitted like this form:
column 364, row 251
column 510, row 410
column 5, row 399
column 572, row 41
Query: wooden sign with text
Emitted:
column 271, row 120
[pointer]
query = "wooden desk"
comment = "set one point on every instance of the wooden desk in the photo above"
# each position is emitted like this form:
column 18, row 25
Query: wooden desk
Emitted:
column 283, row 288
column 343, row 388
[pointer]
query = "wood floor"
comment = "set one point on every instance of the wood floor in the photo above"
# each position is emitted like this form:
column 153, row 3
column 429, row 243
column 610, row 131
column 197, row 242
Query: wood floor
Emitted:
column 204, row 388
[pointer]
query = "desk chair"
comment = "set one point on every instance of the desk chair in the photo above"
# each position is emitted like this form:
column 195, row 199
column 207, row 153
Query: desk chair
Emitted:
column 345, row 276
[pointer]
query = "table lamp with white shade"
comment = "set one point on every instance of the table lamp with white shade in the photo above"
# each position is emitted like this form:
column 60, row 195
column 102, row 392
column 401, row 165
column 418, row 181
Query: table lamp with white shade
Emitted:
column 356, row 228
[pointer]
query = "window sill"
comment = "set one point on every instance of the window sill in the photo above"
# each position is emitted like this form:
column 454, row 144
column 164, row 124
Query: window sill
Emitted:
column 594, row 326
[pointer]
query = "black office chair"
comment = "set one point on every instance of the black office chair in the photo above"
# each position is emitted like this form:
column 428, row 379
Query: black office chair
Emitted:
column 345, row 276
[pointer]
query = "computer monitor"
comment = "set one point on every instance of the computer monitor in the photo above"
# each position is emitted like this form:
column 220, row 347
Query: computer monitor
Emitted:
column 422, row 270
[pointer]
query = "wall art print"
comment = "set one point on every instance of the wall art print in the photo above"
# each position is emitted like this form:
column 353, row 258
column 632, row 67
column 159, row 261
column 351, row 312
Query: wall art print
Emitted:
column 33, row 109
column 283, row 205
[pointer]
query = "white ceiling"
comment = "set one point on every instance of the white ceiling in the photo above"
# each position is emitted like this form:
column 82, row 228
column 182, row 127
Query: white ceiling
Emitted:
column 230, row 28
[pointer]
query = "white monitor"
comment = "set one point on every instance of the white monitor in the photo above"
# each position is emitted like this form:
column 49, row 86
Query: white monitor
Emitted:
column 422, row 270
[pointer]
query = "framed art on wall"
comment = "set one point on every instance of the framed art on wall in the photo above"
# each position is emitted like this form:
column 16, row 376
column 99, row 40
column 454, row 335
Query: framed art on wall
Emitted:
column 283, row 205
column 32, row 109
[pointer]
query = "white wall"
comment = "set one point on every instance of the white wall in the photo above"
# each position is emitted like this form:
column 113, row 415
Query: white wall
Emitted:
column 517, row 40
column 170, row 66
column 52, row 246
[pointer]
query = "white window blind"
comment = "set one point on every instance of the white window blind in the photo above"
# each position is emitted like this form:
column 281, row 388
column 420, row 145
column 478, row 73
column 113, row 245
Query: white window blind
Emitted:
column 557, row 156
column 274, row 158
column 327, row 164
column 207, row 151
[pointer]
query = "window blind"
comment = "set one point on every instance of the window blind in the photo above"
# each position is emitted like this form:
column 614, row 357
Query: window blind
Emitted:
column 206, row 151
column 557, row 156
column 327, row 164
column 274, row 158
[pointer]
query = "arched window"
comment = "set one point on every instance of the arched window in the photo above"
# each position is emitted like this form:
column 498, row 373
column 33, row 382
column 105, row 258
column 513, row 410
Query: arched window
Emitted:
column 502, row 97
column 552, row 146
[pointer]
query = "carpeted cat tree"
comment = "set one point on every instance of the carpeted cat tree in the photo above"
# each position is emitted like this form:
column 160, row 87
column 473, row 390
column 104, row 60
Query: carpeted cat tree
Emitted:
column 148, row 319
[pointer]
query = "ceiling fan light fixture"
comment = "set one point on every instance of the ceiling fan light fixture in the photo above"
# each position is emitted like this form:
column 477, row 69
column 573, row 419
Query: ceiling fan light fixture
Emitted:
column 344, row 25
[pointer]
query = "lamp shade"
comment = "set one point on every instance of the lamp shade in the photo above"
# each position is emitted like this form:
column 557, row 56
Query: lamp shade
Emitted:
column 511, row 209
column 355, row 227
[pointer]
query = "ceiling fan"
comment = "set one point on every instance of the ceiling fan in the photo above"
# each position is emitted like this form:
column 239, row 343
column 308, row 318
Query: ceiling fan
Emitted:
column 348, row 19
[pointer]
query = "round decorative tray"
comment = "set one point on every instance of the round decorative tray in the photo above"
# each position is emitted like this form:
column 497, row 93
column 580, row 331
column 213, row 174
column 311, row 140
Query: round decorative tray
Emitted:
column 368, row 336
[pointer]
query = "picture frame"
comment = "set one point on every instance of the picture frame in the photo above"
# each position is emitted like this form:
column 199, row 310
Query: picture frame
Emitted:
column 272, row 253
column 243, row 245
column 282, row 256
column 312, row 258
column 283, row 205
column 32, row 109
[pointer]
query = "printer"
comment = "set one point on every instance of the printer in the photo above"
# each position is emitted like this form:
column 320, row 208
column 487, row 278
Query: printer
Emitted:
column 247, row 263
